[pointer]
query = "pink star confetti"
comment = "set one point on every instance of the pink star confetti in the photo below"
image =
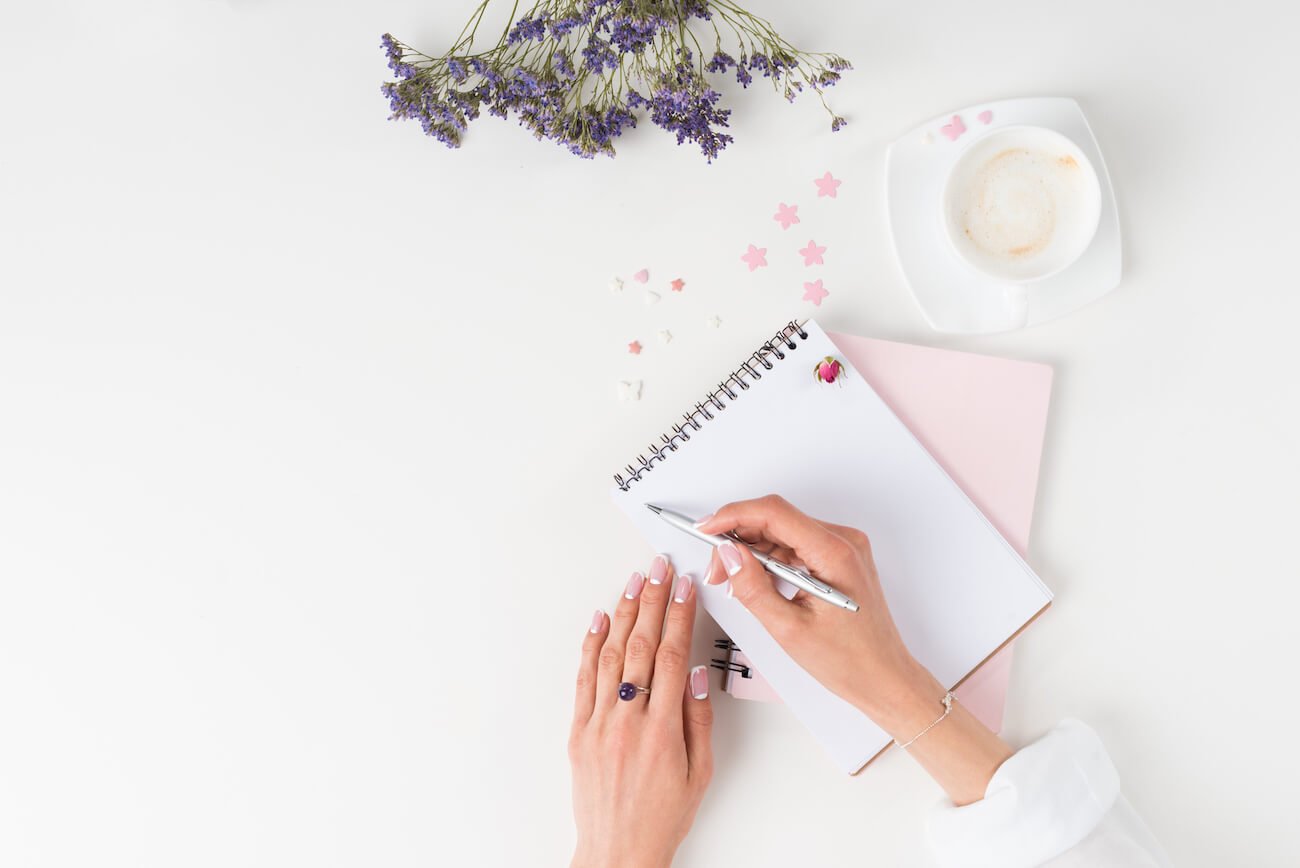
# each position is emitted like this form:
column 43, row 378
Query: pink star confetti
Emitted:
column 755, row 257
column 827, row 186
column 635, row 347
column 641, row 276
column 677, row 285
column 812, row 254
column 786, row 215
column 814, row 292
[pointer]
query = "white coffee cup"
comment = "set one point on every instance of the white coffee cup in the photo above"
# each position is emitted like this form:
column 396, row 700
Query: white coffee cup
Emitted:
column 1021, row 203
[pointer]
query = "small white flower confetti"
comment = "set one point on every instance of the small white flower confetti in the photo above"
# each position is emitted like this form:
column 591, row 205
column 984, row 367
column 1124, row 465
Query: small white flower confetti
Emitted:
column 665, row 336
column 927, row 138
column 715, row 321
column 629, row 390
column 651, row 297
column 616, row 285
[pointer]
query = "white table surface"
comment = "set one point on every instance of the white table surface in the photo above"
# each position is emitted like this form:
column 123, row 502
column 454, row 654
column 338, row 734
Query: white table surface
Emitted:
column 307, row 425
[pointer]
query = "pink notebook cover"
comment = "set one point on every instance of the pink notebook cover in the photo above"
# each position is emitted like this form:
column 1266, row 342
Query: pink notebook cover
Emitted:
column 983, row 419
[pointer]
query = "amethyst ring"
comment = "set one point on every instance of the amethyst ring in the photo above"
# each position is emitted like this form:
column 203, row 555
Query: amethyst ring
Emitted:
column 627, row 691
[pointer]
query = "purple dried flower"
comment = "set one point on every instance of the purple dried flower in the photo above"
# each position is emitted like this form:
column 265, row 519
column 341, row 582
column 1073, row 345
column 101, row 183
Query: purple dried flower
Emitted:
column 567, row 91
column 597, row 55
column 720, row 62
column 838, row 123
column 393, row 49
column 631, row 35
column 527, row 28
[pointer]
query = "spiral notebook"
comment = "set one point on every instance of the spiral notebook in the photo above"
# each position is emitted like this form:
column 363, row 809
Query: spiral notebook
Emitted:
column 957, row 590
column 983, row 418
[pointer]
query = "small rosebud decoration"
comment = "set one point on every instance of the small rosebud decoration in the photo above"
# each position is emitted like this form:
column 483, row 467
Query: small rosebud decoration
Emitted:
column 828, row 370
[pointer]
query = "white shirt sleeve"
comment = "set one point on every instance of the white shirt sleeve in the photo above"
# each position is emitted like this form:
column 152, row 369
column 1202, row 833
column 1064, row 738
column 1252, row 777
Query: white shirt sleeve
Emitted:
column 1054, row 803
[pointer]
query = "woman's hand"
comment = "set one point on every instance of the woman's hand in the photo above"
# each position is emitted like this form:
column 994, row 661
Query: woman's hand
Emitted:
column 857, row 655
column 640, row 767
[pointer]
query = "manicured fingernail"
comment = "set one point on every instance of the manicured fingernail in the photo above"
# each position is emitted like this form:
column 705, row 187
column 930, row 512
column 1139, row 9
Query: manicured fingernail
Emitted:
column 731, row 592
column 700, row 682
column 659, row 570
column 730, row 557
column 705, row 520
column 597, row 621
column 684, row 588
column 634, row 586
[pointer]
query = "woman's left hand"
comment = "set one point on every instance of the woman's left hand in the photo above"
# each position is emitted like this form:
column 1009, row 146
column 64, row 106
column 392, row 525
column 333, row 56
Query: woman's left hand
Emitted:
column 640, row 767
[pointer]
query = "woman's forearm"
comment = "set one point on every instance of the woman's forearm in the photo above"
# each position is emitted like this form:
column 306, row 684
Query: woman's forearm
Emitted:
column 959, row 752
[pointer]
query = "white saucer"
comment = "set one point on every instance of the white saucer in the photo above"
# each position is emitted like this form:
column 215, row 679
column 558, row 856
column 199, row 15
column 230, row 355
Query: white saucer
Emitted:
column 953, row 296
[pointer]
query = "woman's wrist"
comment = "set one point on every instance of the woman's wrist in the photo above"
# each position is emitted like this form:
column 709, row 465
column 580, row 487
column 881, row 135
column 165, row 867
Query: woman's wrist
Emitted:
column 905, row 703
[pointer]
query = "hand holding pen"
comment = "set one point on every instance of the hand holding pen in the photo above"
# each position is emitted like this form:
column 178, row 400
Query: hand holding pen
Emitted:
column 858, row 655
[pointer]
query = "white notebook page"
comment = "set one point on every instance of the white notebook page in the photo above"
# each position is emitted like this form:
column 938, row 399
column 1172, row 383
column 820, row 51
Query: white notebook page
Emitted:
column 956, row 588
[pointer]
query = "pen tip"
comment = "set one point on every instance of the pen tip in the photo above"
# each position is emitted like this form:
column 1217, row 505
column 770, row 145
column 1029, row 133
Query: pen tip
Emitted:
column 656, row 510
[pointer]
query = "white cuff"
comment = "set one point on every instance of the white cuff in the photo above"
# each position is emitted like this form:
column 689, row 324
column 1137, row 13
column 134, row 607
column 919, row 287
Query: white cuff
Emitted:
column 1041, row 802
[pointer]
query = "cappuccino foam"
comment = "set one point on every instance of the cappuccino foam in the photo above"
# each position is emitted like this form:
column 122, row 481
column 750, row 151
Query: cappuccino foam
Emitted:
column 1012, row 203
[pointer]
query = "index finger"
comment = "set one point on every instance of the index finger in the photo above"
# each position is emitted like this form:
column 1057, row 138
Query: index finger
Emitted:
column 777, row 520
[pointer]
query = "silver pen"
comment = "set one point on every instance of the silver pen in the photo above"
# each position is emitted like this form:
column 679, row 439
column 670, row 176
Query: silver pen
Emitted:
column 794, row 576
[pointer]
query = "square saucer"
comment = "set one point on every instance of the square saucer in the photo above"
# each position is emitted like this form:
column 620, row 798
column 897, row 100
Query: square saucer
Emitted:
column 953, row 296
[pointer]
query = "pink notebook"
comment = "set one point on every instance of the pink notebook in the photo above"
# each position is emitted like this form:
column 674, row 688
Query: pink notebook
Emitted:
column 983, row 419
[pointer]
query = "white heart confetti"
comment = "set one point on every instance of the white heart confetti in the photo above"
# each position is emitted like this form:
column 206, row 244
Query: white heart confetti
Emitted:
column 665, row 336
column 651, row 297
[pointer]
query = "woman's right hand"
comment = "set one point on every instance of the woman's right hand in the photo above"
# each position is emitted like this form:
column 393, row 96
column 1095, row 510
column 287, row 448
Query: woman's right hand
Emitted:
column 857, row 655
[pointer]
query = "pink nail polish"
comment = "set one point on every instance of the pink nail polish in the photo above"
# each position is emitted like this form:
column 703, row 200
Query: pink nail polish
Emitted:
column 659, row 570
column 731, row 592
column 700, row 682
column 684, row 588
column 705, row 520
column 597, row 621
column 730, row 557
column 634, row 584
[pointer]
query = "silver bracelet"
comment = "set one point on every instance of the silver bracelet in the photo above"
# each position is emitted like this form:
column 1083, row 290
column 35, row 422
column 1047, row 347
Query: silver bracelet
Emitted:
column 947, row 710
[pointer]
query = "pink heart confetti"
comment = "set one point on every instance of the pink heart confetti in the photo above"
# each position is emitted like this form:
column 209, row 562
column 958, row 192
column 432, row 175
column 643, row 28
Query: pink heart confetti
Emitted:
column 755, row 257
column 952, row 129
column 678, row 284
column 634, row 348
column 827, row 186
column 985, row 117
column 814, row 292
column 786, row 215
column 641, row 276
column 812, row 254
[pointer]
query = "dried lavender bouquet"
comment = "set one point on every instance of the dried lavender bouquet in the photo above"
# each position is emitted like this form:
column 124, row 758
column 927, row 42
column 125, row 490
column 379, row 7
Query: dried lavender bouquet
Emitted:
column 578, row 72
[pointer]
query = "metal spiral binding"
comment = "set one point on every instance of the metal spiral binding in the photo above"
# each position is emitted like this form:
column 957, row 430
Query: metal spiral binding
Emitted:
column 727, row 664
column 731, row 388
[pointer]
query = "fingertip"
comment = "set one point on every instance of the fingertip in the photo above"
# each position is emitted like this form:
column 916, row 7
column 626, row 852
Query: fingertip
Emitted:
column 598, row 622
column 699, row 683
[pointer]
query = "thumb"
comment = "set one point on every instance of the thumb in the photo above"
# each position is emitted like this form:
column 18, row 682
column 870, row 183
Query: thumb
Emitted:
column 753, row 587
